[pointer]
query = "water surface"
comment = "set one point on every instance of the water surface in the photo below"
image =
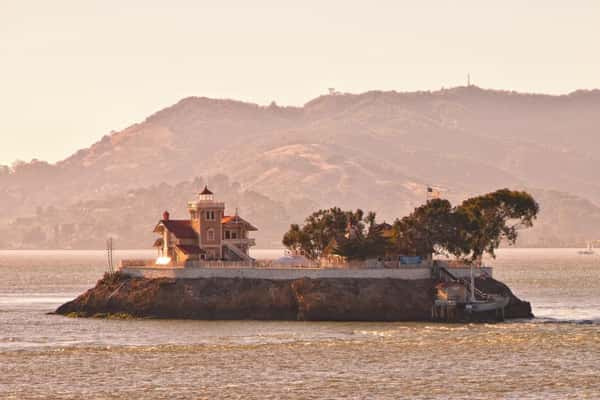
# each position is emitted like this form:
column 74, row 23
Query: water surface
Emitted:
column 555, row 356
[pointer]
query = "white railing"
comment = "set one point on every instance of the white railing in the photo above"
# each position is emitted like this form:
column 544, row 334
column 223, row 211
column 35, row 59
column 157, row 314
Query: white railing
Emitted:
column 457, row 264
column 268, row 264
column 278, row 273
column 205, row 203
column 220, row 264
column 246, row 241
column 137, row 263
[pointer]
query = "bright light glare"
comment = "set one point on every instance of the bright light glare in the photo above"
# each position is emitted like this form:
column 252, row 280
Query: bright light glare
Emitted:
column 163, row 260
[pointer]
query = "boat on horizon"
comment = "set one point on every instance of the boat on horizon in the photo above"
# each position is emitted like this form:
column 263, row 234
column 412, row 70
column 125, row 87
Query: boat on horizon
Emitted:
column 589, row 250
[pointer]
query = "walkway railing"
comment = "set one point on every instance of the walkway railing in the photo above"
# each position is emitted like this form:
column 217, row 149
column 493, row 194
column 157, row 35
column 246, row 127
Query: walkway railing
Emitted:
column 138, row 263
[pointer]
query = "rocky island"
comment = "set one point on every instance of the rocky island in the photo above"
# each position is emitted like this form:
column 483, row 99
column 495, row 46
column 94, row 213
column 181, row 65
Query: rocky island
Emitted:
column 305, row 299
column 342, row 266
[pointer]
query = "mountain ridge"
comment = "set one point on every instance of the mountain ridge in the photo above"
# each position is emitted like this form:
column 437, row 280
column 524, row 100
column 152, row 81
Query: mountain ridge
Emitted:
column 376, row 150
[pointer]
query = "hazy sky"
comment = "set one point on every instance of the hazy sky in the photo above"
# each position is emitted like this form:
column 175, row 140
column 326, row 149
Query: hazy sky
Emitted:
column 72, row 71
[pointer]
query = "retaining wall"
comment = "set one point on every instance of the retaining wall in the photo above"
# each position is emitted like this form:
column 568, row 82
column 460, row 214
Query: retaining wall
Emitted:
column 407, row 273
column 276, row 273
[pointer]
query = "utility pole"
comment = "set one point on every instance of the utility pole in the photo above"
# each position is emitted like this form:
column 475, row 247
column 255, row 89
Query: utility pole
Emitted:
column 109, row 255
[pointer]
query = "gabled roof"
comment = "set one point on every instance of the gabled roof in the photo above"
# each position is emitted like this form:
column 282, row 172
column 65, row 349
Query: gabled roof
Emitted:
column 181, row 228
column 384, row 226
column 186, row 249
column 384, row 229
column 236, row 219
column 158, row 243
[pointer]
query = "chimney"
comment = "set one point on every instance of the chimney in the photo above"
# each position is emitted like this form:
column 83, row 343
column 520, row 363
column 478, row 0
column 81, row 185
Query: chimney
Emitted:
column 165, row 216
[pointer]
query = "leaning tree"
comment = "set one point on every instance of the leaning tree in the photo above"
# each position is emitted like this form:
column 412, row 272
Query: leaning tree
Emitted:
column 483, row 222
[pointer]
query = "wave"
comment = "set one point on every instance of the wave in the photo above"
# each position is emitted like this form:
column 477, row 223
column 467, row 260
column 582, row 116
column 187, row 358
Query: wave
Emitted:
column 576, row 321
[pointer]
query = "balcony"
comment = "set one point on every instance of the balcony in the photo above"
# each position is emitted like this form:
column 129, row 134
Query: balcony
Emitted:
column 241, row 241
column 195, row 204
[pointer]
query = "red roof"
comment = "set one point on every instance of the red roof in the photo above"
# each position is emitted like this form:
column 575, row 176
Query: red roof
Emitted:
column 181, row 228
column 190, row 249
column 206, row 191
column 235, row 219
column 226, row 219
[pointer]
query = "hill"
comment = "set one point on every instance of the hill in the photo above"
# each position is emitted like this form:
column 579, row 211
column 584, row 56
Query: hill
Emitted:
column 376, row 150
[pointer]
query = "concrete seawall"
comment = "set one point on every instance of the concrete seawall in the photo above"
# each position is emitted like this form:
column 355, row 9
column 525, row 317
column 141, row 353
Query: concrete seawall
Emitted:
column 405, row 273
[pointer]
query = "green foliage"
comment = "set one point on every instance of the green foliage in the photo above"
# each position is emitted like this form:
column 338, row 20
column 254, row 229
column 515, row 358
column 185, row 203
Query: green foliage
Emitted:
column 361, row 247
column 427, row 230
column 346, row 233
column 477, row 226
column 484, row 221
column 298, row 241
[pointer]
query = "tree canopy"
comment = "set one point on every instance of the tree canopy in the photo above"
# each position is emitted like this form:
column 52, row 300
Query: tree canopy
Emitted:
column 351, row 234
column 427, row 230
column 477, row 226
column 484, row 221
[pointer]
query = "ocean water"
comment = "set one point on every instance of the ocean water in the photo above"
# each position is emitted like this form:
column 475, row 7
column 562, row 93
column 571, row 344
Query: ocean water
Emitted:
column 554, row 356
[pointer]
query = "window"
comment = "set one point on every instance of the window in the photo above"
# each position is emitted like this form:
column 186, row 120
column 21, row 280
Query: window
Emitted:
column 234, row 235
column 210, row 215
column 210, row 234
column 227, row 235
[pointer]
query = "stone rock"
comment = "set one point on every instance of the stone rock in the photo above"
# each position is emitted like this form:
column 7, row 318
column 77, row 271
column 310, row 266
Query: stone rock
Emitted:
column 332, row 299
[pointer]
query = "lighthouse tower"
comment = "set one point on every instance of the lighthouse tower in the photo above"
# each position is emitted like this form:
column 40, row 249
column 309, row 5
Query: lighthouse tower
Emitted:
column 205, row 216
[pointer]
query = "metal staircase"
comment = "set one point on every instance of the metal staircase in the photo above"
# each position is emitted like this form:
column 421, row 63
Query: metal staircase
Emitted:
column 447, row 276
column 238, row 252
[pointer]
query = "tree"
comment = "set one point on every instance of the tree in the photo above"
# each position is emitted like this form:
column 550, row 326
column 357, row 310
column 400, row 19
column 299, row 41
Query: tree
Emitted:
column 319, row 229
column 370, row 221
column 427, row 230
column 323, row 228
column 477, row 226
column 296, row 240
column 483, row 222
column 366, row 242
